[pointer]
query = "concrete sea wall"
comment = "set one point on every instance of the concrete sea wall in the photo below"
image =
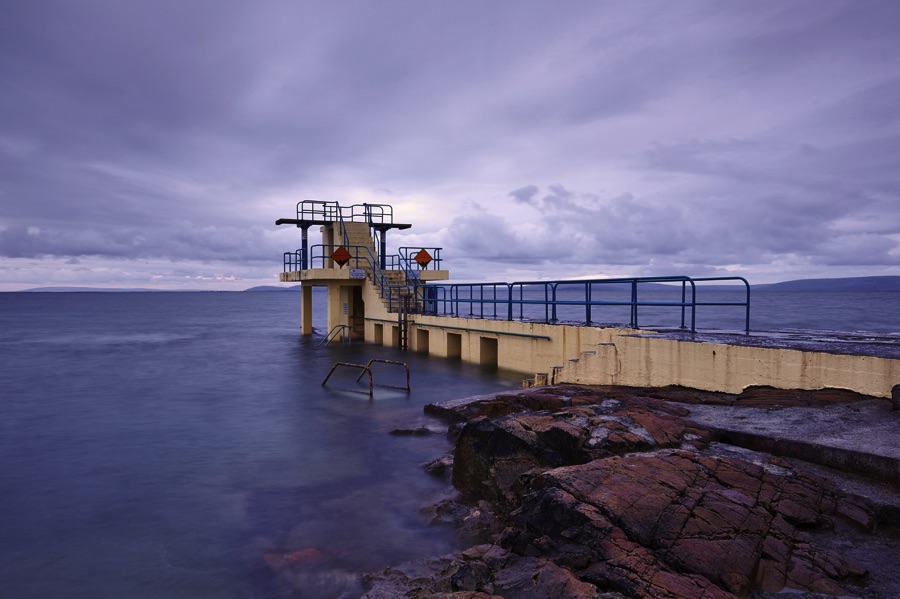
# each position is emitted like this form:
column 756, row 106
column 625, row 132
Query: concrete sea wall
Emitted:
column 550, row 354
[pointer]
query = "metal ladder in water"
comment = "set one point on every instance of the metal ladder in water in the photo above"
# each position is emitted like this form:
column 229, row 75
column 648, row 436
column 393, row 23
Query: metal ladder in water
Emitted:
column 338, row 328
column 403, row 321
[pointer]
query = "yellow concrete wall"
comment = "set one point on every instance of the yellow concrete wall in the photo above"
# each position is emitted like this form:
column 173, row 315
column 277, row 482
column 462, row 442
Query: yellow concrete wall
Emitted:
column 597, row 356
column 590, row 355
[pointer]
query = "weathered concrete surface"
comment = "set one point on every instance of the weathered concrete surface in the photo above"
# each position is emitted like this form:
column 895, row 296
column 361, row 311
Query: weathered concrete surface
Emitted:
column 881, row 345
column 861, row 437
column 732, row 363
column 629, row 494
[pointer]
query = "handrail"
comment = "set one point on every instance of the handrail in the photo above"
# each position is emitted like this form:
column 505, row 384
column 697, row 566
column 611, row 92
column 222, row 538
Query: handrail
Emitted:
column 383, row 361
column 348, row 364
column 368, row 369
column 407, row 259
column 338, row 328
column 333, row 211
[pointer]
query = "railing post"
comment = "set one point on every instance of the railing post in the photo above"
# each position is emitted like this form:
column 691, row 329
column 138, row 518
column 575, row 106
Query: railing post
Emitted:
column 587, row 306
column 509, row 290
column 634, row 317
column 693, row 306
column 553, row 286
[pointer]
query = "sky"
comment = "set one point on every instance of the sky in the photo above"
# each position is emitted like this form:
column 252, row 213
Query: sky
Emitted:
column 154, row 144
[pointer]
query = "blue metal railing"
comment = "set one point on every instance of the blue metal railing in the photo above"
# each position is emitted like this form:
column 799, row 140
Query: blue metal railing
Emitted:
column 317, row 210
column 531, row 300
column 408, row 255
column 511, row 301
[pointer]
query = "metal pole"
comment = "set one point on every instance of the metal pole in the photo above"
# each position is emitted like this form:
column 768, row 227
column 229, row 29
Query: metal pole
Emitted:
column 304, row 247
column 634, row 323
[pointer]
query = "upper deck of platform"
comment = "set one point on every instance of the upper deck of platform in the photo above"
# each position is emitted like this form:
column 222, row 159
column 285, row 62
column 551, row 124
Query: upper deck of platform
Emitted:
column 316, row 212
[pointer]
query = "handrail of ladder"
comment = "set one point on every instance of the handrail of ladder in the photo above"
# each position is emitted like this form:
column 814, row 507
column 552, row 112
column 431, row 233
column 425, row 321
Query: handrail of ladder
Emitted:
column 350, row 365
column 383, row 361
column 338, row 328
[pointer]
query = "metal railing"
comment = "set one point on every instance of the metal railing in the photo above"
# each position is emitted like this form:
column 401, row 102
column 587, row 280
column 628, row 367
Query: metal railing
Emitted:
column 543, row 300
column 339, row 329
column 317, row 210
column 367, row 369
column 408, row 258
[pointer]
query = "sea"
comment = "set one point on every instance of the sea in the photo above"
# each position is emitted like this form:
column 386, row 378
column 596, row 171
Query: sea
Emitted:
column 168, row 445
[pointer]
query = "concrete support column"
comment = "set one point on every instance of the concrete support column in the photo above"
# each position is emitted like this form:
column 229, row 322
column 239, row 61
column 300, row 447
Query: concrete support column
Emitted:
column 306, row 309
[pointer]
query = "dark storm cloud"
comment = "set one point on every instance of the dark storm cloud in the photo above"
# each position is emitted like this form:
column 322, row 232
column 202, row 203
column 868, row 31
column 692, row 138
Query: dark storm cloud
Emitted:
column 524, row 195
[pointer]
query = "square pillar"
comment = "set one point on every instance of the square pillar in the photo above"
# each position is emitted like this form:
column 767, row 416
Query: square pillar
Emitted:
column 306, row 308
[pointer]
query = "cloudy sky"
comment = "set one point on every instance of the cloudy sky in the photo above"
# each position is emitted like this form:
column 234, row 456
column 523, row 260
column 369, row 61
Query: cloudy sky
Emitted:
column 154, row 144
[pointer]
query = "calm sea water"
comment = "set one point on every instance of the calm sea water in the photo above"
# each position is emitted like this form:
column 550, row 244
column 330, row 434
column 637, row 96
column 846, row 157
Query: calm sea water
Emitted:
column 164, row 444
column 175, row 444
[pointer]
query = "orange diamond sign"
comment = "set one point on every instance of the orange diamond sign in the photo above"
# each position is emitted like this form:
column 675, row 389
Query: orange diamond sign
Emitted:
column 423, row 258
column 341, row 256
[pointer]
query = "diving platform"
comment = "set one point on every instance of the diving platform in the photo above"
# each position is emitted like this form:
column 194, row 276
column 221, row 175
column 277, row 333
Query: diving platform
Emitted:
column 568, row 331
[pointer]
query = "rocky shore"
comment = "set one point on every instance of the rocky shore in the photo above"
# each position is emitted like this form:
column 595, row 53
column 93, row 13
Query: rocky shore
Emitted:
column 606, row 492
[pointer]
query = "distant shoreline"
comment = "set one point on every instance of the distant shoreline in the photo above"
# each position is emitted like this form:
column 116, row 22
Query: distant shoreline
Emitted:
column 874, row 284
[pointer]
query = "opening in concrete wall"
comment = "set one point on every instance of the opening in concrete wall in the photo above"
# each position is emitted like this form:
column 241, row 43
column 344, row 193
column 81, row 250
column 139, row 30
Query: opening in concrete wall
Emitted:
column 378, row 333
column 395, row 336
column 422, row 340
column 454, row 346
column 488, row 351
column 357, row 314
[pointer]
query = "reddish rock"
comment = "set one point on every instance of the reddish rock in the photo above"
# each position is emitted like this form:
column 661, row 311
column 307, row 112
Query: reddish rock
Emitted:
column 615, row 488
column 491, row 454
column 686, row 519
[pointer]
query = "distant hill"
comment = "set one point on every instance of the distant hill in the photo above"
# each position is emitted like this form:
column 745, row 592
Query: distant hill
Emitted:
column 844, row 284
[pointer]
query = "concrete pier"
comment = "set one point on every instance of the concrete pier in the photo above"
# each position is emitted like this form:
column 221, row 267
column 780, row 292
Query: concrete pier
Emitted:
column 367, row 294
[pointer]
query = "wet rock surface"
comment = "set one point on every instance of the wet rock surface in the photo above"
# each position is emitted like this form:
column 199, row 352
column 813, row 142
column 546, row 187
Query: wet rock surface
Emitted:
column 573, row 491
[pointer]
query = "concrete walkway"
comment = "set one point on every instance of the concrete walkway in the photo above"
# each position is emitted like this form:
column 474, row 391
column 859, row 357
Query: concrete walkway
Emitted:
column 861, row 437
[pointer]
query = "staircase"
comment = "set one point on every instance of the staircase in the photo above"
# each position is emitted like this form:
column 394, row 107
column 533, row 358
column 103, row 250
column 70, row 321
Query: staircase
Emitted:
column 592, row 365
column 357, row 234
column 394, row 291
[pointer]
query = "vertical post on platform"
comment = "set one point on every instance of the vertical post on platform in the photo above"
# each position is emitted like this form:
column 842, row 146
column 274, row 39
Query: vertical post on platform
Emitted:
column 383, row 255
column 304, row 247
column 306, row 308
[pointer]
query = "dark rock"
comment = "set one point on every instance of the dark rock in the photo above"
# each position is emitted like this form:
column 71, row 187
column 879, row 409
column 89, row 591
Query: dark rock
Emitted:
column 475, row 522
column 417, row 431
column 441, row 466
column 479, row 572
